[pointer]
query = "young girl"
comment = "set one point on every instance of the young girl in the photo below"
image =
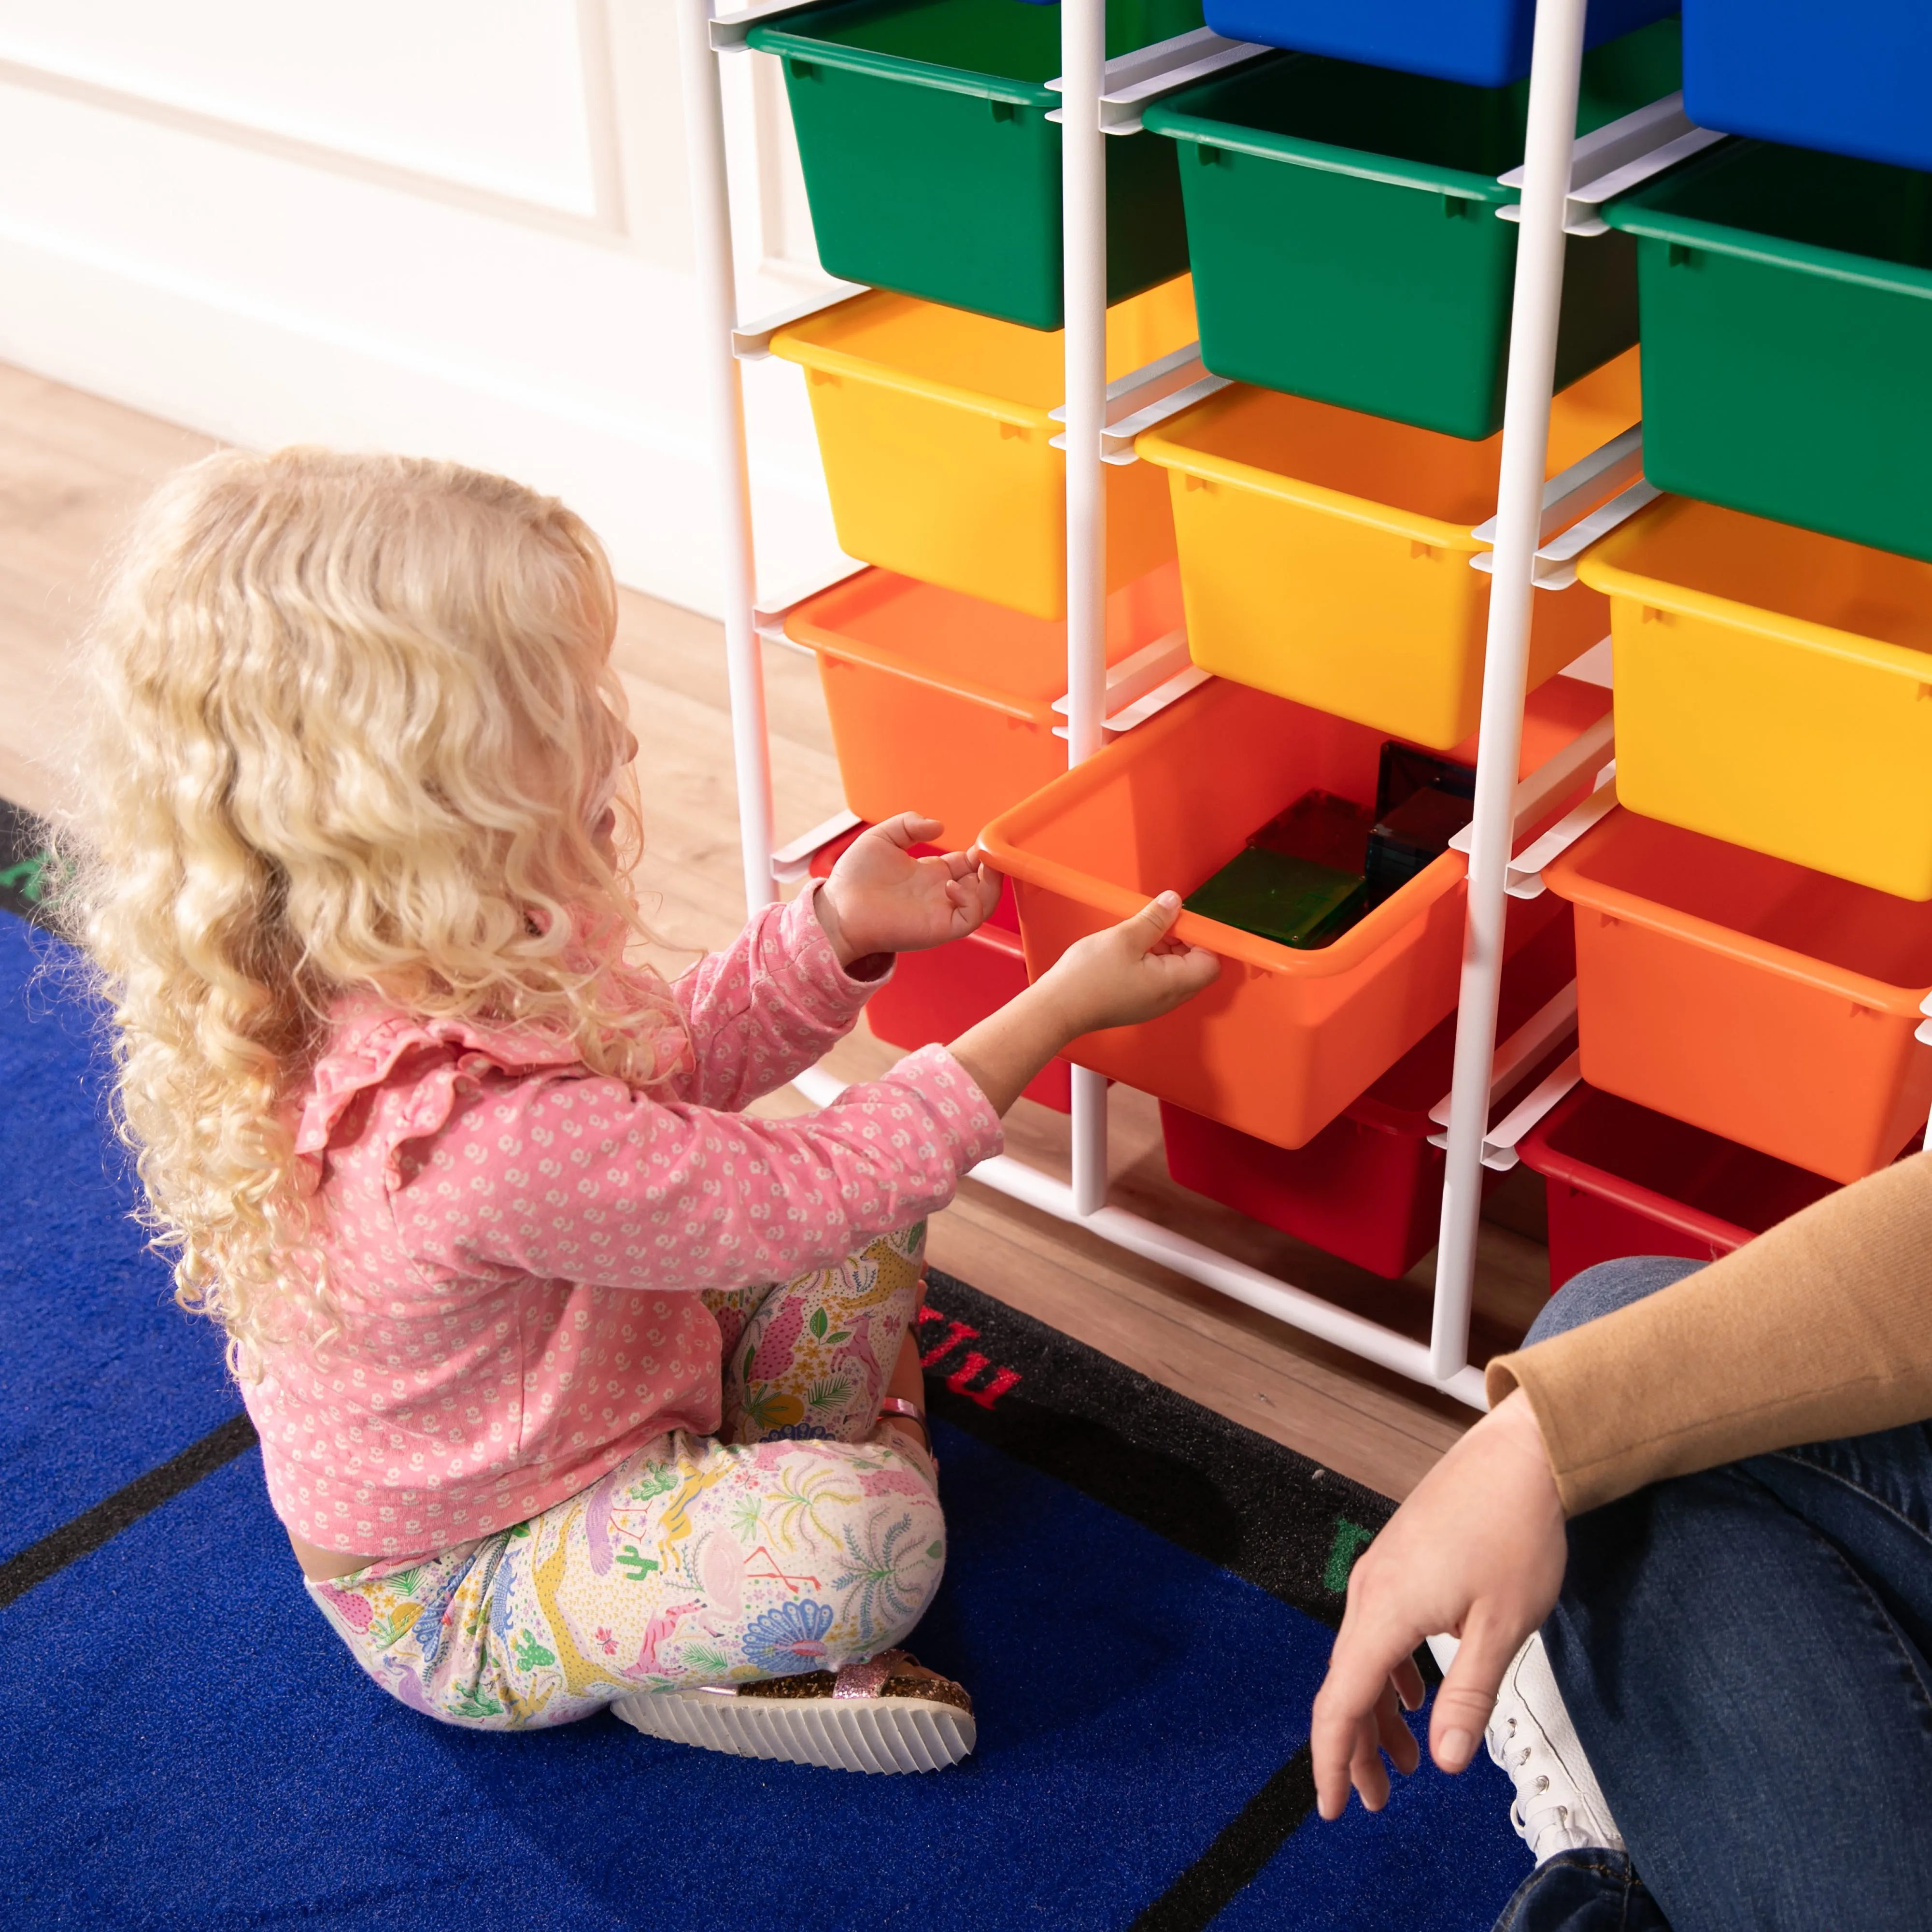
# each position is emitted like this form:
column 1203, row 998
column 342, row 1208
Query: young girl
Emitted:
column 575, row 1386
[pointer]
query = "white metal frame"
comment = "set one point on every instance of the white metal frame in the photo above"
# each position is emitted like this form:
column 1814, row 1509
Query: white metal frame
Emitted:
column 1098, row 99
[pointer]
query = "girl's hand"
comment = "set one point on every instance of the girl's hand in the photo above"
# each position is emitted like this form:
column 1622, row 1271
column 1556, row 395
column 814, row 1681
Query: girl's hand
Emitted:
column 880, row 898
column 1133, row 971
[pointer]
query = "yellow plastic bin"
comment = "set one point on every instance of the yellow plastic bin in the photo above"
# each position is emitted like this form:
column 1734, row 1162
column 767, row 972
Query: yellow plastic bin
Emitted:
column 934, row 426
column 1774, row 689
column 1325, row 554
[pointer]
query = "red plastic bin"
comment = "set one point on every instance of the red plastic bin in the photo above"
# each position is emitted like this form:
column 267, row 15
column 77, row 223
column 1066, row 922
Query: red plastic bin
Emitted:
column 1369, row 1186
column 936, row 994
column 1623, row 1181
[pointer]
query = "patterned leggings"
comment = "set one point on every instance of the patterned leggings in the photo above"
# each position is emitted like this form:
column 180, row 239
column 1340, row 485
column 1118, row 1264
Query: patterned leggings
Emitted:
column 804, row 1537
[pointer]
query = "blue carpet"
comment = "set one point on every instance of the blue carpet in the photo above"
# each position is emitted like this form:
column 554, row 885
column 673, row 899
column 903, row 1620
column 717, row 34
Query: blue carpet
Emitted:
column 188, row 1744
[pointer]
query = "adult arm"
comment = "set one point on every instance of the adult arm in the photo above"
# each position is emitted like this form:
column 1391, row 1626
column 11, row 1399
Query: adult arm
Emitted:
column 1820, row 1328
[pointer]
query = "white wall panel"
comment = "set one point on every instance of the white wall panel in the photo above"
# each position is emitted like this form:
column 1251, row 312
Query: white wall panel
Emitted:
column 261, row 292
column 489, row 92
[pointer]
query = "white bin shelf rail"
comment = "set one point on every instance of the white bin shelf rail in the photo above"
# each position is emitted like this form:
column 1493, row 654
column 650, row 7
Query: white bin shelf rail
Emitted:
column 1099, row 98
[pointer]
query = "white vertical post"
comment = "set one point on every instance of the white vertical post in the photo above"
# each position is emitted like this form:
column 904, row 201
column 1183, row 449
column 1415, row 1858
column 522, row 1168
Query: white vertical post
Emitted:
column 1555, row 71
column 1083, row 175
column 718, row 316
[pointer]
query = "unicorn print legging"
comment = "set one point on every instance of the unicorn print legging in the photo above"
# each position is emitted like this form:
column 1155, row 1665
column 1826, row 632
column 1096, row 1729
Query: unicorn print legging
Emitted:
column 804, row 1537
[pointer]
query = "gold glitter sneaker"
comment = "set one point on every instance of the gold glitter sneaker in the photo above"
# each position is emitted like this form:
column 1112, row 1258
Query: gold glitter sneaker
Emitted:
column 890, row 1714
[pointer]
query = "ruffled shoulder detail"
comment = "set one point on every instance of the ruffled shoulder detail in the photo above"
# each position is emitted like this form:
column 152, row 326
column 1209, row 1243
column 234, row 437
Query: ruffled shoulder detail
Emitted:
column 368, row 1039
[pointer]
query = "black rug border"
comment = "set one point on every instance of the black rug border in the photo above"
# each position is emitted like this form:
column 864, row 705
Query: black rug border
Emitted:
column 1266, row 1512
column 24, row 839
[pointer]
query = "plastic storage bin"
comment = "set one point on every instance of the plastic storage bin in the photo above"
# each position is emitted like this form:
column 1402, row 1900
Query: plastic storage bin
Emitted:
column 1622, row 1180
column 931, row 166
column 1846, row 75
column 933, row 427
column 1481, row 42
column 1284, row 1039
column 1774, row 1006
column 1325, row 555
column 1343, row 225
column 1369, row 1186
column 1786, row 301
column 1774, row 689
column 943, row 704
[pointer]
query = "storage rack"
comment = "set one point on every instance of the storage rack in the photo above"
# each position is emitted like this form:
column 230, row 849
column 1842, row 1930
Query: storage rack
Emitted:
column 1562, row 182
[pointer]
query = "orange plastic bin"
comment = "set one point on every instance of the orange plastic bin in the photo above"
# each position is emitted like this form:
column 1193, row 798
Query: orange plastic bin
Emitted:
column 943, row 704
column 1773, row 1005
column 1285, row 1039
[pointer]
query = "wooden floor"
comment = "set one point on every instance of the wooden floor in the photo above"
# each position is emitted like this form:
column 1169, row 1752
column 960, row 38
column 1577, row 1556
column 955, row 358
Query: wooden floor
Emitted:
column 72, row 467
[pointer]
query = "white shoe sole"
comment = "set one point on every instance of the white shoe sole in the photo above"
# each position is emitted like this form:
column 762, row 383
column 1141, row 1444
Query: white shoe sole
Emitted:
column 871, row 1734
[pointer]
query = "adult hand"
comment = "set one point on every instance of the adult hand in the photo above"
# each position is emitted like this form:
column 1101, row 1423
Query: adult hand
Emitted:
column 1477, row 1551
column 880, row 898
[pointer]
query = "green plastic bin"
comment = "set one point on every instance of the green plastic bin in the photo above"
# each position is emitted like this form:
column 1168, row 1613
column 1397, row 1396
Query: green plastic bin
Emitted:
column 1342, row 222
column 930, row 163
column 1787, row 339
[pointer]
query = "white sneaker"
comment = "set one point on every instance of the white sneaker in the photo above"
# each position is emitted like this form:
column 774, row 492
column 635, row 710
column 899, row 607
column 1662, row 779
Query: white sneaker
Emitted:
column 1558, row 1806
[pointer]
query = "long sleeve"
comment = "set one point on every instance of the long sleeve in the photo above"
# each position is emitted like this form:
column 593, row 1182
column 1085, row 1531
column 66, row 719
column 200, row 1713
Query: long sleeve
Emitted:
column 582, row 1178
column 1822, row 1327
column 767, row 1007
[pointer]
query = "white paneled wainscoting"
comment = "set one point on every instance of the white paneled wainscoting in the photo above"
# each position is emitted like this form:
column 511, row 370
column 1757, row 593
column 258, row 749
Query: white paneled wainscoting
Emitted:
column 450, row 227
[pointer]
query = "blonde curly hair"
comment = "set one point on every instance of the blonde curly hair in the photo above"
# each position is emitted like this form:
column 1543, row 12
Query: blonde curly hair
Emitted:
column 352, row 717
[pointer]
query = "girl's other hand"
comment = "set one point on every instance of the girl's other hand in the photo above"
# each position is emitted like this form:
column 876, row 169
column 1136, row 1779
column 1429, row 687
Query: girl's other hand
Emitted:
column 1136, row 971
column 880, row 898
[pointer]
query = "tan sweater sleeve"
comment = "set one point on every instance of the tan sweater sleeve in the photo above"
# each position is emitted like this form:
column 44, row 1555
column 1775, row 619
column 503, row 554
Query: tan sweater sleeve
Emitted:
column 1822, row 1327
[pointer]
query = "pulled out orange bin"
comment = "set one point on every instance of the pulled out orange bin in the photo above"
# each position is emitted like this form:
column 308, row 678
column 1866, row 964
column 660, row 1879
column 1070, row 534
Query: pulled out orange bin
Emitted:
column 1773, row 1005
column 942, row 703
column 1285, row 1038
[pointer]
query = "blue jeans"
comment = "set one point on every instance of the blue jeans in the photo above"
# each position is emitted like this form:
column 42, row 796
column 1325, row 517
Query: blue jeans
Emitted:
column 1745, row 1653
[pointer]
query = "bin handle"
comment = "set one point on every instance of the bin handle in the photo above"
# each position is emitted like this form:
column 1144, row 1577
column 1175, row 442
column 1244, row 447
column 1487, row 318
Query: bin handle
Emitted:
column 1133, row 80
column 1616, row 158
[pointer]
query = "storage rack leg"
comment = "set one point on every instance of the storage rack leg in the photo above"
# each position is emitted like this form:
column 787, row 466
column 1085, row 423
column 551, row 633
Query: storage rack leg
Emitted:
column 1555, row 70
column 718, row 301
column 1083, row 176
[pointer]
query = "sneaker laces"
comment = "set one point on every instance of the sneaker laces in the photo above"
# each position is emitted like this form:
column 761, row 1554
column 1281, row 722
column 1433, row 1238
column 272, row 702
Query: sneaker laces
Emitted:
column 1558, row 1805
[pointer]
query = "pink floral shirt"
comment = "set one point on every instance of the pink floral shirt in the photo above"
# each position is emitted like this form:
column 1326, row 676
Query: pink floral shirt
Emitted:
column 516, row 1244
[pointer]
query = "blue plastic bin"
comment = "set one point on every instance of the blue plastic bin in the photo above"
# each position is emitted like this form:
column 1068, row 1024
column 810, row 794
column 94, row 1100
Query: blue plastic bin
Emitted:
column 1852, row 76
column 1483, row 42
